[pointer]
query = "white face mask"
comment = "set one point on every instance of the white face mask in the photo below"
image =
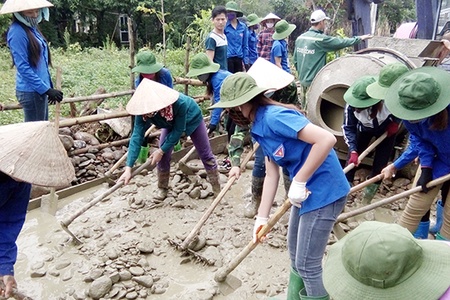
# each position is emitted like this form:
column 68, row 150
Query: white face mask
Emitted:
column 269, row 25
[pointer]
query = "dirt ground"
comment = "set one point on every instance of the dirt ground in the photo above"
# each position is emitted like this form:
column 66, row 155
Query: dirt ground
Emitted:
column 126, row 249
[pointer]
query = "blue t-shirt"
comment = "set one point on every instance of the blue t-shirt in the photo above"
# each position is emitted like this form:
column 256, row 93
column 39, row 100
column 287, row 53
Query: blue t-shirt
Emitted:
column 216, row 82
column 279, row 49
column 276, row 130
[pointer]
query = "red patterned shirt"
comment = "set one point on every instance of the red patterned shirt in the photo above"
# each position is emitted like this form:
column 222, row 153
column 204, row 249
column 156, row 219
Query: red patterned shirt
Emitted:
column 265, row 42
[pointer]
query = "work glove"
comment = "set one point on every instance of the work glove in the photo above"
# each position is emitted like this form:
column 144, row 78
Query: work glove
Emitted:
column 354, row 158
column 298, row 193
column 259, row 223
column 211, row 128
column 54, row 96
column 425, row 177
column 392, row 129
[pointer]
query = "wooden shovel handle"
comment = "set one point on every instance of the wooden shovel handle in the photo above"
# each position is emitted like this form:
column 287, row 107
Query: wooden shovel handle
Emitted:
column 367, row 151
column 223, row 272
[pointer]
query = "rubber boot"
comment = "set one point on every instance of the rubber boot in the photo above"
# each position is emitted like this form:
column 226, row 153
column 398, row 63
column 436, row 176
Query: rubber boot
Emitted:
column 369, row 192
column 213, row 176
column 422, row 231
column 251, row 208
column 143, row 155
column 439, row 237
column 303, row 296
column 295, row 285
column 287, row 183
column 163, row 185
column 439, row 218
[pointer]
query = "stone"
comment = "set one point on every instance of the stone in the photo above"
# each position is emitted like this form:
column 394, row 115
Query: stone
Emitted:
column 100, row 287
column 137, row 271
column 67, row 141
column 146, row 247
column 38, row 273
column 145, row 281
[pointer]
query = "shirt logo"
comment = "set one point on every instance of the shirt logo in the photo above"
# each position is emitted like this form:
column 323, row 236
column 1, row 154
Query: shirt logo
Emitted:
column 279, row 152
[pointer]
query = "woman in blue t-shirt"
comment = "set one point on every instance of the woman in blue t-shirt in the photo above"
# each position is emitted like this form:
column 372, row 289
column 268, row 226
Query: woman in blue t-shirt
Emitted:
column 319, row 188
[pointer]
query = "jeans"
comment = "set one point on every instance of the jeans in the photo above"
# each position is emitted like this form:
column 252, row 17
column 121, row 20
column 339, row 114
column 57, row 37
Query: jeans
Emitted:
column 202, row 146
column 307, row 238
column 35, row 106
column 13, row 208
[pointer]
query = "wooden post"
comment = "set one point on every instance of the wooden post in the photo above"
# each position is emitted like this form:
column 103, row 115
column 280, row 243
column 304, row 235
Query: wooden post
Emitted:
column 186, row 62
column 132, row 50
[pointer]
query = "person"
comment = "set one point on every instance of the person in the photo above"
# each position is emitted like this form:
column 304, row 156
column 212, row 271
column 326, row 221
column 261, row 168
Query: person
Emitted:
column 252, row 24
column 36, row 163
column 279, row 80
column 216, row 43
column 175, row 113
column 311, row 50
column 31, row 56
column 236, row 33
column 289, row 140
column 383, row 261
column 366, row 118
column 420, row 98
column 279, row 51
column 148, row 67
column 209, row 73
column 265, row 40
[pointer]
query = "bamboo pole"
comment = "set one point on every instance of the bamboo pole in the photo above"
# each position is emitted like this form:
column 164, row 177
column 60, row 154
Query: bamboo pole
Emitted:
column 186, row 62
column 93, row 118
column 132, row 50
column 194, row 82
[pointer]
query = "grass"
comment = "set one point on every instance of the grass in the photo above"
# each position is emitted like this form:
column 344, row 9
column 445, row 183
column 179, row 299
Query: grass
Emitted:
column 83, row 72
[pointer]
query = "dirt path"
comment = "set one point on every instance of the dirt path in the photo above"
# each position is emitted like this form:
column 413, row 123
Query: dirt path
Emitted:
column 126, row 248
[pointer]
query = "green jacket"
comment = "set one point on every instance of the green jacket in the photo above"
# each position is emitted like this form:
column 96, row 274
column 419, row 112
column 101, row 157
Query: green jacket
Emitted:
column 311, row 52
column 187, row 116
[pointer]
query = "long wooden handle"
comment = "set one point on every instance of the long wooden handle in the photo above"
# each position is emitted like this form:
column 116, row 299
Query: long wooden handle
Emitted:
column 223, row 272
column 66, row 222
column 367, row 151
column 214, row 204
column 249, row 156
column 366, row 183
column 391, row 199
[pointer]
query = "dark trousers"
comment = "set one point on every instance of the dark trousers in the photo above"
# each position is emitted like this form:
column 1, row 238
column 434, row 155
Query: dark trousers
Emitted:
column 235, row 65
column 382, row 152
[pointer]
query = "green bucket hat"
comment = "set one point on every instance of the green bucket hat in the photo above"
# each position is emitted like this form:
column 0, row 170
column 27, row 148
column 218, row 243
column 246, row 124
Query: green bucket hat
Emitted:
column 232, row 6
column 380, row 261
column 237, row 89
column 283, row 29
column 356, row 94
column 201, row 64
column 419, row 94
column 253, row 19
column 388, row 74
column 146, row 63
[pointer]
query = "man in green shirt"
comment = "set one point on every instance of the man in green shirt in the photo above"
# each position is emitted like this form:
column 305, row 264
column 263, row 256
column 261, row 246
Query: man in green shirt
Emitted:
column 311, row 50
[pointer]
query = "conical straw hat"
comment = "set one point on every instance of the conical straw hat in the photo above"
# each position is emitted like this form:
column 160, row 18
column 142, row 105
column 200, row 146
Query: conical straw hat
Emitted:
column 12, row 6
column 268, row 75
column 32, row 152
column 151, row 96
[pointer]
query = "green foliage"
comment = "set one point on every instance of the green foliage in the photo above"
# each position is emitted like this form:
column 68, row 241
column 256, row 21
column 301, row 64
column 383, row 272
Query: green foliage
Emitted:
column 396, row 12
column 199, row 29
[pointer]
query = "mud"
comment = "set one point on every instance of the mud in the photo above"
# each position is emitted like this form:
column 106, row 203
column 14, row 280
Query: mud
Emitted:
column 126, row 254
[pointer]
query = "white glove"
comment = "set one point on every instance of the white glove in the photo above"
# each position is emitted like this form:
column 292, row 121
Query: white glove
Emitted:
column 298, row 193
column 259, row 223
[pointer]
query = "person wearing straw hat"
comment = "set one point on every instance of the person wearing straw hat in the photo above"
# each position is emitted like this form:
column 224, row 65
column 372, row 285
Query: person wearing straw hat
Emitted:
column 379, row 261
column 42, row 160
column 366, row 118
column 420, row 98
column 252, row 24
column 236, row 32
column 289, row 140
column 148, row 67
column 175, row 113
column 210, row 73
column 265, row 40
column 311, row 50
column 31, row 56
column 216, row 43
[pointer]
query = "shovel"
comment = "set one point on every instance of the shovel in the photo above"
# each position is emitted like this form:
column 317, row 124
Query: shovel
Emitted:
column 184, row 245
column 67, row 221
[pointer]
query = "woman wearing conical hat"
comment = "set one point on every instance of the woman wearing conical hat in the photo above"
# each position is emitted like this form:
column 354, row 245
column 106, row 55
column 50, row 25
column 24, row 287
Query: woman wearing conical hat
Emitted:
column 42, row 160
column 175, row 113
column 31, row 56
